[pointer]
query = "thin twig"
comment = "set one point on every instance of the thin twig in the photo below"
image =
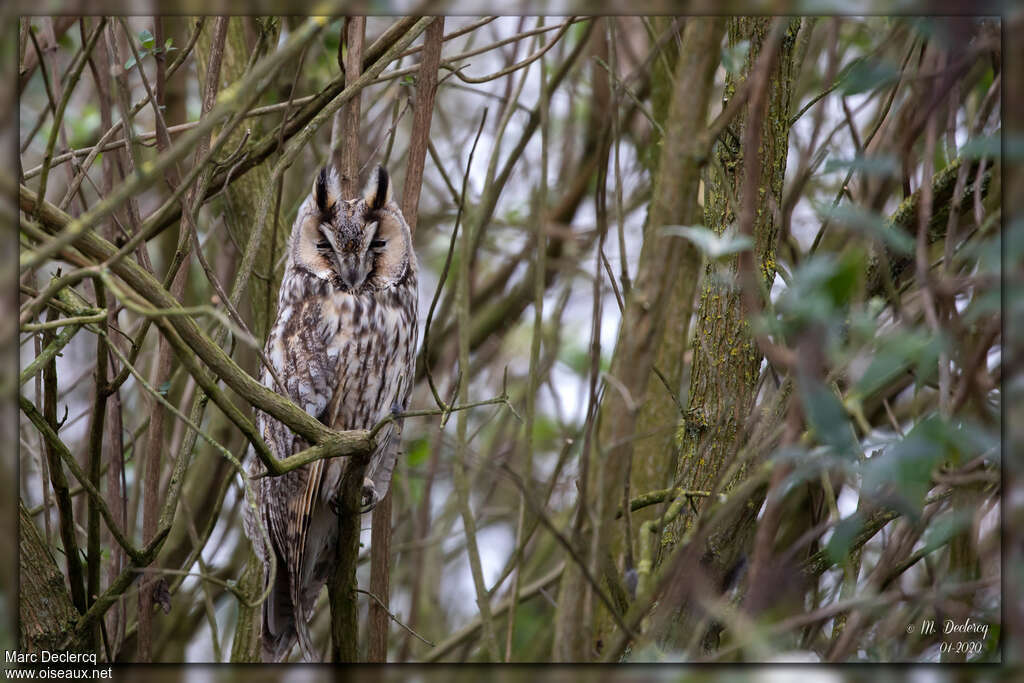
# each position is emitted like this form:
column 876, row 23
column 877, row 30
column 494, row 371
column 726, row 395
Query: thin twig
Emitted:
column 447, row 266
column 530, row 435
column 394, row 618
column 459, row 466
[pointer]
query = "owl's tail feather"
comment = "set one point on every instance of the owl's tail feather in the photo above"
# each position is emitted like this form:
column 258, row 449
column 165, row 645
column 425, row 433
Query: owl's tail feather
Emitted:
column 284, row 622
column 305, row 642
column 278, row 617
column 300, row 625
column 285, row 614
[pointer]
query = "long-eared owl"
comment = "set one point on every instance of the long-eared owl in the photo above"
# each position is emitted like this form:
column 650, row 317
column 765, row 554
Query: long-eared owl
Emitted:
column 343, row 345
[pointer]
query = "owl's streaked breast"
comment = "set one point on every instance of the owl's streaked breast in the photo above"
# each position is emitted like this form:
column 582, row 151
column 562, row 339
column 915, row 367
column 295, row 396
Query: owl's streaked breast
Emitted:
column 371, row 343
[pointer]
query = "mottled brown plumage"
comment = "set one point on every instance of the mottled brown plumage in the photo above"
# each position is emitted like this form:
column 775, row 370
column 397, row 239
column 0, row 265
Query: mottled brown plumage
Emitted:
column 343, row 345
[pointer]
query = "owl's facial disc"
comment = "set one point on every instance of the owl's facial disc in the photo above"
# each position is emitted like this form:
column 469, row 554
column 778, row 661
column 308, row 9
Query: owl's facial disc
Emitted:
column 353, row 252
column 327, row 247
column 353, row 243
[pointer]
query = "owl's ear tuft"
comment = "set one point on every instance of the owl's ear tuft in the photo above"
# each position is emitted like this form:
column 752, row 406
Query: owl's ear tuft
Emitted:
column 324, row 201
column 378, row 190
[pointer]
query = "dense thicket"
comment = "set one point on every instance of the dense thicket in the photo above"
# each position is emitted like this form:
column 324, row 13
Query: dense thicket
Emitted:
column 711, row 352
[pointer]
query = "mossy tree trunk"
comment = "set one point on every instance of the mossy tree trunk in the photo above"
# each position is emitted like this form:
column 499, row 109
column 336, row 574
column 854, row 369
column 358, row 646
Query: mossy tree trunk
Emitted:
column 663, row 261
column 654, row 455
column 242, row 198
column 726, row 359
column 45, row 611
column 240, row 203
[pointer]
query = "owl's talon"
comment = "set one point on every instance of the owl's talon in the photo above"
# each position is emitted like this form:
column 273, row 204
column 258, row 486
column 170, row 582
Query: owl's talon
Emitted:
column 370, row 496
column 334, row 502
column 367, row 501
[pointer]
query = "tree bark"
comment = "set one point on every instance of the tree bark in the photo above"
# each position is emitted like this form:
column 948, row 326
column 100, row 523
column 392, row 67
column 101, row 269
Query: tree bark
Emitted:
column 726, row 358
column 655, row 449
column 242, row 196
column 662, row 262
column 45, row 612
column 249, row 626
column 380, row 582
column 341, row 587
column 240, row 203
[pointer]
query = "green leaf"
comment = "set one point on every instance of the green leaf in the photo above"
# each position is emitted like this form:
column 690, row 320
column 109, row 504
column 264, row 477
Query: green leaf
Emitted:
column 828, row 418
column 734, row 57
column 838, row 547
column 868, row 75
column 131, row 61
column 417, row 452
column 545, row 429
column 843, row 282
column 577, row 357
column 822, row 286
column 805, row 299
column 84, row 125
column 147, row 39
column 945, row 527
column 332, row 38
column 897, row 353
column 926, row 27
column 902, row 475
column 874, row 224
column 711, row 245
column 985, row 146
column 882, row 166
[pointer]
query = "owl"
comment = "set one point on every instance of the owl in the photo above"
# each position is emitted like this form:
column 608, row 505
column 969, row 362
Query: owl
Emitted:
column 343, row 345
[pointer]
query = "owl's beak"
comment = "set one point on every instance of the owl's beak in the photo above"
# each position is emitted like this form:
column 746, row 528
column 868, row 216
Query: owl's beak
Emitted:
column 349, row 271
column 349, row 277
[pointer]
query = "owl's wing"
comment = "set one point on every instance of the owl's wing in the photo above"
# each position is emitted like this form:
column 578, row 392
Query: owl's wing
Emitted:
column 301, row 511
column 389, row 438
column 382, row 463
column 288, row 509
column 298, row 354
